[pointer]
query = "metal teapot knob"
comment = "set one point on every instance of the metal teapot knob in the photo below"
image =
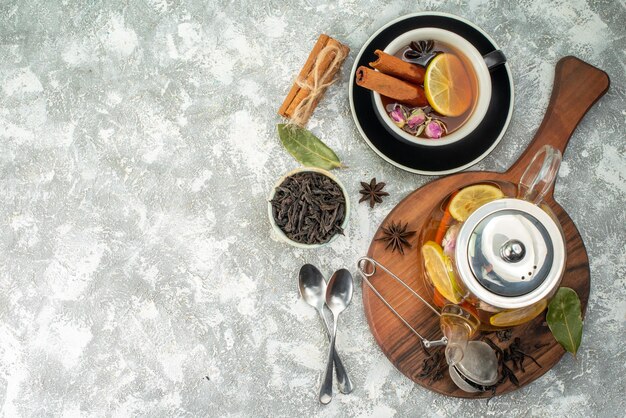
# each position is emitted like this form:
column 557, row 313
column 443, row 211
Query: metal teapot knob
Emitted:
column 512, row 251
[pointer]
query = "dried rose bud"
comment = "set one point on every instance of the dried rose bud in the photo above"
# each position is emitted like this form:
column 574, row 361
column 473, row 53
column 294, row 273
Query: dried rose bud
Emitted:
column 449, row 240
column 433, row 130
column 398, row 116
column 417, row 117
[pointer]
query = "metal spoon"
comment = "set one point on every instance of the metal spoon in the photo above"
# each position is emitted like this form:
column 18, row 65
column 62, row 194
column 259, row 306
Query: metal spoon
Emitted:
column 338, row 297
column 313, row 290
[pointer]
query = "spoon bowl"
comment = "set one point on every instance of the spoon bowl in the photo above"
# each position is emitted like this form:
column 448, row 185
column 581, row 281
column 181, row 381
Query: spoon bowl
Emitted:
column 339, row 291
column 312, row 286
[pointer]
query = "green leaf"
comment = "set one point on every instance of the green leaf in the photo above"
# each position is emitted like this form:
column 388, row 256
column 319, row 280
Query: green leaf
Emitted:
column 307, row 148
column 565, row 319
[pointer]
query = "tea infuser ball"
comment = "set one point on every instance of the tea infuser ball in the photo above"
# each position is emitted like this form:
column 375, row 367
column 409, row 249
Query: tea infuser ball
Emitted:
column 477, row 370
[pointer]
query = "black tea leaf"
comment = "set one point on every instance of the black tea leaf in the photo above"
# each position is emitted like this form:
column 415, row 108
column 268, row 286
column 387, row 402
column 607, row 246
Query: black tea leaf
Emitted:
column 309, row 208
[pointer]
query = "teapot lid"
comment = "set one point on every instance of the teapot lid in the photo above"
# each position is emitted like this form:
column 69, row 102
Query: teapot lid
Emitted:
column 510, row 253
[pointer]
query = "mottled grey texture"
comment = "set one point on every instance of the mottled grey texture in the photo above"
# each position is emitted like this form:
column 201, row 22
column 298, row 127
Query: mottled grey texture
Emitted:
column 137, row 148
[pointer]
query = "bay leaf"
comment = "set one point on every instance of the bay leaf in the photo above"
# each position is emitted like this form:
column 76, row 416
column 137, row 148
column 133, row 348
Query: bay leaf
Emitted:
column 565, row 319
column 308, row 149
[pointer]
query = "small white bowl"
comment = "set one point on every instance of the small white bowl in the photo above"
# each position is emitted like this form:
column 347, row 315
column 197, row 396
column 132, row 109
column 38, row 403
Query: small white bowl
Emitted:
column 480, row 69
column 278, row 234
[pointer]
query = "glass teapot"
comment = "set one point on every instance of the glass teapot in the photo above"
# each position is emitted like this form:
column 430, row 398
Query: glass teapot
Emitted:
column 493, row 253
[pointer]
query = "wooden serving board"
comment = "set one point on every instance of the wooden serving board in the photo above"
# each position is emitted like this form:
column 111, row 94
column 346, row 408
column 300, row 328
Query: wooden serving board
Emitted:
column 577, row 86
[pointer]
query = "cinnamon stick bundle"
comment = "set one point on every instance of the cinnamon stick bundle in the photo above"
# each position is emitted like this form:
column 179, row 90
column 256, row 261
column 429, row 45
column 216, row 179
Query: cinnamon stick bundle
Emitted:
column 394, row 88
column 394, row 66
column 316, row 75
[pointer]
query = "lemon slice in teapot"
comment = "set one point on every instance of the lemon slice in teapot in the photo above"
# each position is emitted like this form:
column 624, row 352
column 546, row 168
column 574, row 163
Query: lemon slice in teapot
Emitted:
column 440, row 271
column 468, row 199
column 518, row 316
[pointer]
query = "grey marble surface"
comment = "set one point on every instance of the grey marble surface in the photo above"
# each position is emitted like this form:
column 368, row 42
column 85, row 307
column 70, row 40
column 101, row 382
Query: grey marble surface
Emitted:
column 137, row 148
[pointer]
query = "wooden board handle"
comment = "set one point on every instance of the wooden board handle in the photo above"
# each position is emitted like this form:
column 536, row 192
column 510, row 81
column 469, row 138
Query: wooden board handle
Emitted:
column 577, row 86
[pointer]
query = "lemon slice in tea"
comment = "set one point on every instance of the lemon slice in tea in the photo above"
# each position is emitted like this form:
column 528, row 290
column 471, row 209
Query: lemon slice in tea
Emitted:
column 447, row 85
column 439, row 269
column 469, row 199
column 518, row 316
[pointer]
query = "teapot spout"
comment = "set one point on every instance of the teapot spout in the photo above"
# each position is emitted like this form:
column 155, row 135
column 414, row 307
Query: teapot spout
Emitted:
column 540, row 175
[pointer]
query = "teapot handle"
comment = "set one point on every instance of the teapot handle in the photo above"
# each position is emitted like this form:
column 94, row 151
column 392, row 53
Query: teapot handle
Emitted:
column 577, row 86
column 540, row 175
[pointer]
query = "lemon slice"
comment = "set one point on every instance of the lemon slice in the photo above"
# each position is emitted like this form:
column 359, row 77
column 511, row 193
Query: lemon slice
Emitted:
column 518, row 316
column 447, row 85
column 469, row 199
column 439, row 270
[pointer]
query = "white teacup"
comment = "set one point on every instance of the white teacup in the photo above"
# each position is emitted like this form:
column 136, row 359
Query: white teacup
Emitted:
column 473, row 57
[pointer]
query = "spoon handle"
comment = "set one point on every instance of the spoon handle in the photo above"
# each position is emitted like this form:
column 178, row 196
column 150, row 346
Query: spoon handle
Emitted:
column 326, row 390
column 343, row 380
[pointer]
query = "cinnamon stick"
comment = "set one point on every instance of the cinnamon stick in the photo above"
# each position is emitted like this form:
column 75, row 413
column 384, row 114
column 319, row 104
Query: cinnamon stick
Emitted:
column 394, row 88
column 310, row 79
column 394, row 66
column 304, row 72
column 317, row 74
column 343, row 50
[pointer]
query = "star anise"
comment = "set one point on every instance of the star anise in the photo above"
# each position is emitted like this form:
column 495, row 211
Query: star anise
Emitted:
column 372, row 191
column 420, row 52
column 422, row 47
column 396, row 236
